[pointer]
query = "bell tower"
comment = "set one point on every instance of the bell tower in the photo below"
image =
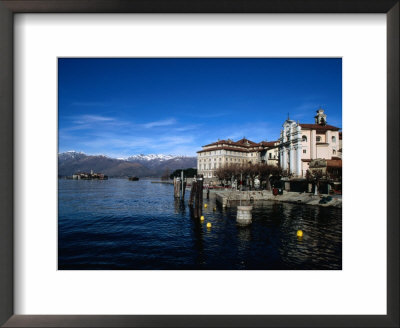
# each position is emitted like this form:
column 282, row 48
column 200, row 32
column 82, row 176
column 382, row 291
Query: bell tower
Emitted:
column 320, row 118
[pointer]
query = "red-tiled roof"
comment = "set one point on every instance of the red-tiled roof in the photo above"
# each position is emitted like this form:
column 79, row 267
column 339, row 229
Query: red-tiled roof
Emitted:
column 318, row 127
column 334, row 163
column 246, row 143
column 219, row 142
column 268, row 143
column 242, row 143
column 242, row 150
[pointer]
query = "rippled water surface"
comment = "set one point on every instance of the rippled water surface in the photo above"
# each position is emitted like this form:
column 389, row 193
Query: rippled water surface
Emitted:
column 121, row 224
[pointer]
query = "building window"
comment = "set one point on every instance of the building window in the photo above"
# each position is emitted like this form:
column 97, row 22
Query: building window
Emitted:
column 270, row 155
column 304, row 151
column 304, row 138
column 318, row 139
column 333, row 139
column 334, row 152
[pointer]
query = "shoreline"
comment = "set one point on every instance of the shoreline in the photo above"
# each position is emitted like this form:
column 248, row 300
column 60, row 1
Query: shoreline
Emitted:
column 228, row 196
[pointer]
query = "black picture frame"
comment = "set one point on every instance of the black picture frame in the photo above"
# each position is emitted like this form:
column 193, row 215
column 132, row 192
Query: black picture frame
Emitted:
column 7, row 10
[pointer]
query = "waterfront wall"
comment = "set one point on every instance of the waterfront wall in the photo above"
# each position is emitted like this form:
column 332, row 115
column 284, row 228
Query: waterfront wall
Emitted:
column 230, row 198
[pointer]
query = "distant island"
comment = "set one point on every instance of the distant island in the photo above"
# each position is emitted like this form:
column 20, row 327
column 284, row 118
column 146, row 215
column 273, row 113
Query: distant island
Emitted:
column 88, row 176
column 151, row 166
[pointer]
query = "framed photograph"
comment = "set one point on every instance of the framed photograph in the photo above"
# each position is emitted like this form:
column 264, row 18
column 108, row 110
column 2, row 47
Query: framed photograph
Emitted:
column 181, row 164
column 234, row 221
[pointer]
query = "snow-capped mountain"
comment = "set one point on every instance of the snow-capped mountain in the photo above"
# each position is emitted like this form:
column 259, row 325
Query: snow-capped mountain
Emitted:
column 71, row 155
column 159, row 162
column 152, row 165
column 150, row 157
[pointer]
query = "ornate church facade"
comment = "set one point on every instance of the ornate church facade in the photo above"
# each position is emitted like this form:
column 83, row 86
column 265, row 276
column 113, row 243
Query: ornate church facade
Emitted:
column 300, row 143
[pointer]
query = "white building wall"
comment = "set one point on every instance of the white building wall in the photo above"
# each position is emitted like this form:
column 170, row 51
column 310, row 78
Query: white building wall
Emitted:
column 295, row 153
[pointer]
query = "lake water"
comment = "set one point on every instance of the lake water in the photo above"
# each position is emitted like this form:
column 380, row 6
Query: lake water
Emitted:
column 118, row 224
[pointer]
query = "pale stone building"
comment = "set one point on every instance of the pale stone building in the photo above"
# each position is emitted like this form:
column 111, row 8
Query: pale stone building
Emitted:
column 300, row 143
column 225, row 152
column 270, row 152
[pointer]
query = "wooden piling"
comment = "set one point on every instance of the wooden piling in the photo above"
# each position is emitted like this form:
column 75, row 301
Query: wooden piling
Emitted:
column 177, row 188
column 201, row 190
column 199, row 198
column 181, row 193
column 184, row 189
column 193, row 191
column 196, row 196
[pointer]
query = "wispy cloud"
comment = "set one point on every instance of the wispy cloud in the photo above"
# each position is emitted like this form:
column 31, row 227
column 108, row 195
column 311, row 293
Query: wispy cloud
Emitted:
column 185, row 128
column 87, row 123
column 109, row 135
column 154, row 124
column 84, row 119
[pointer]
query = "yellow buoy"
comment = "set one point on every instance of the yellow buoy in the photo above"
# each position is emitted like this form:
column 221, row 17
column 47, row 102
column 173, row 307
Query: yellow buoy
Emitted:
column 202, row 218
column 299, row 233
column 208, row 225
column 205, row 205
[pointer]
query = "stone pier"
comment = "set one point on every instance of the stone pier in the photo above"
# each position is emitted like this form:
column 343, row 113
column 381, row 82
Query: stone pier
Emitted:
column 243, row 216
column 231, row 198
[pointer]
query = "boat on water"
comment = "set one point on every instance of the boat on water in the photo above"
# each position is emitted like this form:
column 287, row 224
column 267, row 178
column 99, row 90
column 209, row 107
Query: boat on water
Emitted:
column 133, row 178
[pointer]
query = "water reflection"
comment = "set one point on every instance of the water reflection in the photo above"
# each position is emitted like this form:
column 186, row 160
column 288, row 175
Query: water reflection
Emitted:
column 197, row 229
column 120, row 225
column 180, row 207
column 315, row 246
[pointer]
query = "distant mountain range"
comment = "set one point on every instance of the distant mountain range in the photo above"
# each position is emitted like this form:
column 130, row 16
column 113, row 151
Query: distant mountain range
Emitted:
column 153, row 165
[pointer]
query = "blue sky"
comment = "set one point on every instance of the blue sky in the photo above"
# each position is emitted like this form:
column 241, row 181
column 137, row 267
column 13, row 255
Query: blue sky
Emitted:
column 127, row 106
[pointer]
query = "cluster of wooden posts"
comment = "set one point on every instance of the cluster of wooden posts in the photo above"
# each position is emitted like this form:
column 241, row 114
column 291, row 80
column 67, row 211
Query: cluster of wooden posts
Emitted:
column 196, row 196
column 196, row 193
column 179, row 187
column 243, row 216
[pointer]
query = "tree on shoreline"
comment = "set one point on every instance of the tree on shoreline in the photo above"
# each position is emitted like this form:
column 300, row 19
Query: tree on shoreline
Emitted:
column 262, row 171
column 315, row 176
